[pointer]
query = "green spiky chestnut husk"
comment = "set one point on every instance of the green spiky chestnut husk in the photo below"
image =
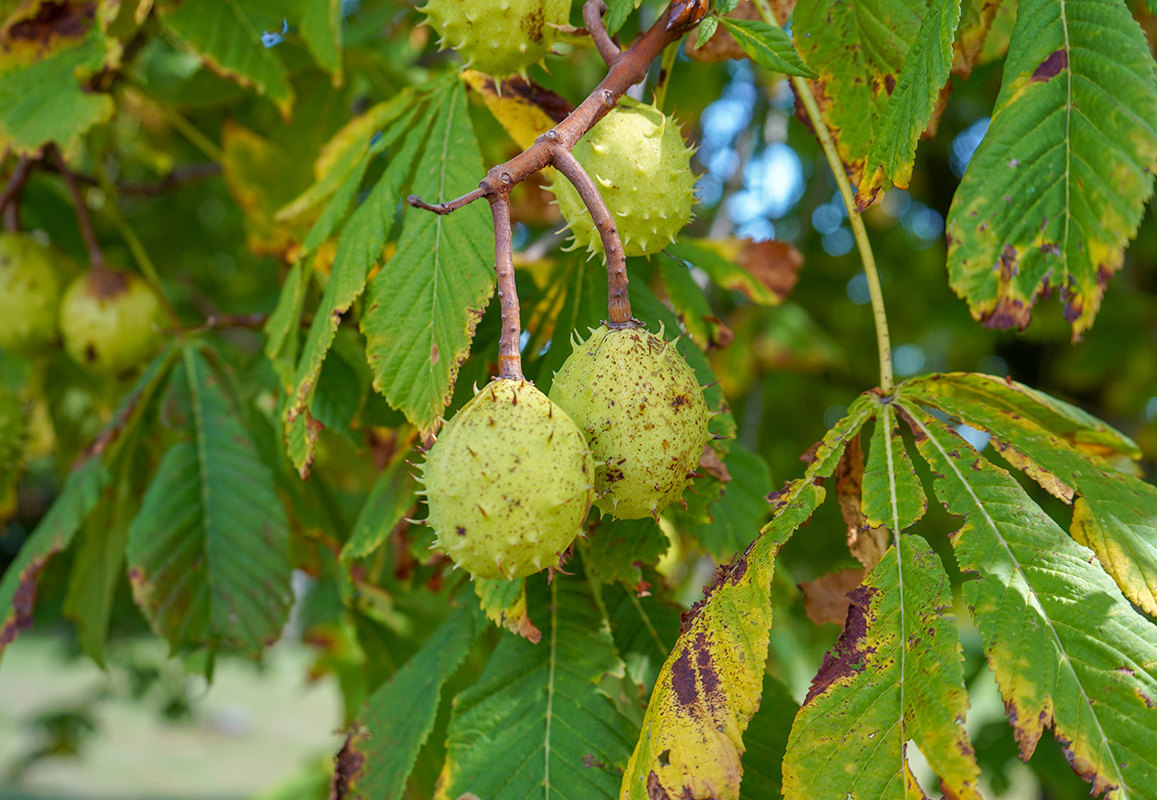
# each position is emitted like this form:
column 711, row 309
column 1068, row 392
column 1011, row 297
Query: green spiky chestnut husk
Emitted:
column 508, row 482
column 643, row 413
column 638, row 160
column 109, row 320
column 500, row 38
column 30, row 284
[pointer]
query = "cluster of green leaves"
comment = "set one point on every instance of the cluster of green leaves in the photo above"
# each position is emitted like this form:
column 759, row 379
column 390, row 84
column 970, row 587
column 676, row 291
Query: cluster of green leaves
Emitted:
column 230, row 463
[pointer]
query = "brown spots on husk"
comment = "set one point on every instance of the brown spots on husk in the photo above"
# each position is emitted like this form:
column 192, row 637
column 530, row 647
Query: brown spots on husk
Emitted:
column 103, row 283
column 532, row 25
column 847, row 657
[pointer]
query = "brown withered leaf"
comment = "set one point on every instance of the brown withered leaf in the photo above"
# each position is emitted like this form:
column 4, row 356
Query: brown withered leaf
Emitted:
column 866, row 544
column 826, row 598
column 775, row 264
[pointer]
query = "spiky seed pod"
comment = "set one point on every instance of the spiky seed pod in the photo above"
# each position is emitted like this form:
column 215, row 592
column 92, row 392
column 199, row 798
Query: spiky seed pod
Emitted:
column 29, row 293
column 500, row 38
column 108, row 320
column 643, row 413
column 642, row 168
column 508, row 482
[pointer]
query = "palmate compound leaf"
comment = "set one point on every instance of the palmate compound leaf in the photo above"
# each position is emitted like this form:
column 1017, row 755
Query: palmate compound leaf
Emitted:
column 860, row 49
column 909, row 110
column 895, row 675
column 536, row 723
column 391, row 729
column 423, row 305
column 1060, row 181
column 1067, row 650
column 77, row 498
column 709, row 687
column 359, row 248
column 1072, row 456
column 208, row 551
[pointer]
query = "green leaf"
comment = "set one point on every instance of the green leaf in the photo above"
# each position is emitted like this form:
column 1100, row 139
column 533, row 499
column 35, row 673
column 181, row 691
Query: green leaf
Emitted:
column 892, row 494
column 1067, row 650
column 767, row 46
column 709, row 686
column 1061, row 448
column 909, row 110
column 617, row 13
column 896, row 674
column 504, row 603
column 358, row 250
column 320, row 23
column 53, row 535
column 645, row 628
column 859, row 48
column 536, row 722
column 209, row 550
column 442, row 273
column 98, row 565
column 616, row 549
column 389, row 500
column 975, row 391
column 284, row 324
column 765, row 742
column 742, row 510
column 695, row 314
column 706, row 30
column 1059, row 183
column 48, row 100
column 79, row 496
column 225, row 35
column 400, row 715
column 344, row 156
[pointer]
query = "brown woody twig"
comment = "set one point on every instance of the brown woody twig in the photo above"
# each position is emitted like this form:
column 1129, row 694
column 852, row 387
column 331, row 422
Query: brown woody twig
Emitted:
column 11, row 194
column 509, row 356
column 553, row 148
column 95, row 256
column 593, row 18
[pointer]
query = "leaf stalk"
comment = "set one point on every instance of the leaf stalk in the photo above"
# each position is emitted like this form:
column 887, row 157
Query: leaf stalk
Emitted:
column 807, row 99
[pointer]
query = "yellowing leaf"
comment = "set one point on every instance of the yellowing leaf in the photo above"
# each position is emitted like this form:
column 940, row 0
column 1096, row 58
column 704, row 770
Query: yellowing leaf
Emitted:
column 896, row 674
column 1061, row 448
column 709, row 687
column 514, row 107
column 1060, row 181
column 1068, row 651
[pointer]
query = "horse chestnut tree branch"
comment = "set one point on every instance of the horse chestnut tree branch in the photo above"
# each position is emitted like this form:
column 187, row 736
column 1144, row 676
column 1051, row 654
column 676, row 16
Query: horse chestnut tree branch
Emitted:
column 553, row 148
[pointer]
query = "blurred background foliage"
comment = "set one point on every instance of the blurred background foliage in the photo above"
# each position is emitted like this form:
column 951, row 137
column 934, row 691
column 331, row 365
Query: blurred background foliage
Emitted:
column 788, row 372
